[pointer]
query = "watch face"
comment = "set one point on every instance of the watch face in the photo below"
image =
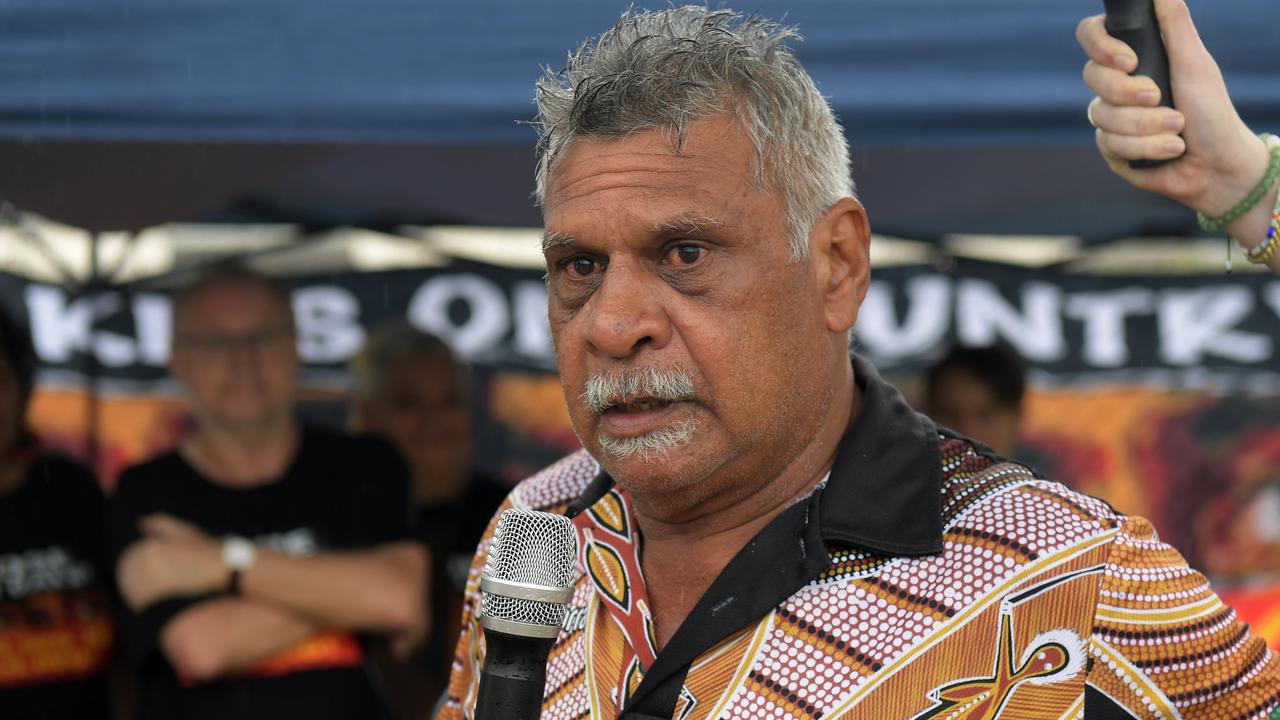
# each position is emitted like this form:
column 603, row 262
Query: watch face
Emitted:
column 238, row 553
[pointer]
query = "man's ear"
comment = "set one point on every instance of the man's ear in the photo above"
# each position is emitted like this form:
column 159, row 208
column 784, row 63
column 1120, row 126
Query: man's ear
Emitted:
column 840, row 247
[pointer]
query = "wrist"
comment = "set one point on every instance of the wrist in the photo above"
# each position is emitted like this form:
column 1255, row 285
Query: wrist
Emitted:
column 1237, row 173
column 238, row 555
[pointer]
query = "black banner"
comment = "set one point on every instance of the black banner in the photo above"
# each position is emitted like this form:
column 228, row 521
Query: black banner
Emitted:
column 1187, row 331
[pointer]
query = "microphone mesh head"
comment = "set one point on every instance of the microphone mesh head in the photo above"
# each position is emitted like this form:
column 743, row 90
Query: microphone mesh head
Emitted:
column 534, row 548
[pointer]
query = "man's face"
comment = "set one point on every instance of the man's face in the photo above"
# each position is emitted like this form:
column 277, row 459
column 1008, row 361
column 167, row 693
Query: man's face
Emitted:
column 235, row 352
column 678, row 264
column 967, row 405
column 421, row 408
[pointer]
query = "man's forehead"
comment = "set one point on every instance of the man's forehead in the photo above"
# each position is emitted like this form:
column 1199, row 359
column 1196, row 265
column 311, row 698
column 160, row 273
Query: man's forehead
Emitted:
column 643, row 185
column 715, row 144
column 235, row 302
column 690, row 222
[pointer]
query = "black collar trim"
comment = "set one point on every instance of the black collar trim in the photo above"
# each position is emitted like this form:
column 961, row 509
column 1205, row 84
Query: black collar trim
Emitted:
column 885, row 490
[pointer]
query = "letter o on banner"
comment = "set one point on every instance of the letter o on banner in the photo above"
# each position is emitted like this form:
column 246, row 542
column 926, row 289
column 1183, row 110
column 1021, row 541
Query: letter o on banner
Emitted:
column 488, row 317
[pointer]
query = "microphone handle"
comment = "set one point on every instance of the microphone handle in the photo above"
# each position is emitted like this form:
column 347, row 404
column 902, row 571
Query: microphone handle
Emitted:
column 514, row 677
column 1134, row 22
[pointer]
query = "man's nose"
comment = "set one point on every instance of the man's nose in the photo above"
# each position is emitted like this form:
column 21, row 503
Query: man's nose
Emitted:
column 627, row 313
column 244, row 352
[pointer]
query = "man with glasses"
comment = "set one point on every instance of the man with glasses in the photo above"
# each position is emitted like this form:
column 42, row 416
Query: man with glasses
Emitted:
column 255, row 558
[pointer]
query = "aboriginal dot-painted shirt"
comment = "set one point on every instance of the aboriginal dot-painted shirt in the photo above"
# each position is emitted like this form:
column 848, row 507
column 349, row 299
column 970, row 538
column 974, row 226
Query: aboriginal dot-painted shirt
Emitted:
column 925, row 578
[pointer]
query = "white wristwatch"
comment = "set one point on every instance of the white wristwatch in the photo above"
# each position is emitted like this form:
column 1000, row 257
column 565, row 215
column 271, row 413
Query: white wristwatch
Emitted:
column 238, row 554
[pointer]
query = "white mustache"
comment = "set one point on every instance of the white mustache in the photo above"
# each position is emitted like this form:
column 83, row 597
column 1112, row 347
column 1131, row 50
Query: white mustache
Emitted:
column 605, row 391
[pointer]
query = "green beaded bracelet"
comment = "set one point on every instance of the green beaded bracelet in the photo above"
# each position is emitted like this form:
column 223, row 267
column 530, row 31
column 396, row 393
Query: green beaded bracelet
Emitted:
column 1273, row 172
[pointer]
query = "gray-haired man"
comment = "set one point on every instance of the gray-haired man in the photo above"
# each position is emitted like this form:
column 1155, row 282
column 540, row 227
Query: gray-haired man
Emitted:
column 767, row 530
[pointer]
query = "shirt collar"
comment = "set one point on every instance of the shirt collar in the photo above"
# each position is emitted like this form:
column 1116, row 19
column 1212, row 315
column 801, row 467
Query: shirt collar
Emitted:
column 885, row 490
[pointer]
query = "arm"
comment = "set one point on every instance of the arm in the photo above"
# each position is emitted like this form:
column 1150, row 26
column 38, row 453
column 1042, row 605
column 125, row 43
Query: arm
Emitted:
column 226, row 635
column 376, row 586
column 379, row 589
column 1162, row 639
column 1224, row 159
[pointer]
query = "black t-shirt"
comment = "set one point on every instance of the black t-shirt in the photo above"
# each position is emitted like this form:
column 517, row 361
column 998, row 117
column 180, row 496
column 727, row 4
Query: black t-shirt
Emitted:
column 451, row 532
column 339, row 493
column 56, row 629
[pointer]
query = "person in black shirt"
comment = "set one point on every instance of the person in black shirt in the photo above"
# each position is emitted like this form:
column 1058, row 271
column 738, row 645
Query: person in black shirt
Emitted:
column 256, row 558
column 411, row 389
column 56, row 630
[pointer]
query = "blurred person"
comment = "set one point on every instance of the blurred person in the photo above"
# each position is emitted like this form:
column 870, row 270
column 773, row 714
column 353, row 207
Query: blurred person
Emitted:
column 256, row 558
column 56, row 629
column 766, row 529
column 977, row 391
column 1237, row 529
column 412, row 390
column 1240, row 537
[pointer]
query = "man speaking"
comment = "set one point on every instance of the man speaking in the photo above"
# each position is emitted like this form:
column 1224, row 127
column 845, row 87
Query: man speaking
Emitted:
column 767, row 530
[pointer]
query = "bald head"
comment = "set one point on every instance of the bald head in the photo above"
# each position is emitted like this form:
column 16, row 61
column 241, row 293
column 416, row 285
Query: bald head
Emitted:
column 273, row 297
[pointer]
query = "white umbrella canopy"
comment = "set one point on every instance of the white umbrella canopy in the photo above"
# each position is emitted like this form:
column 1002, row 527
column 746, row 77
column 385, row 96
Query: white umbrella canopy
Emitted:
column 41, row 249
column 45, row 250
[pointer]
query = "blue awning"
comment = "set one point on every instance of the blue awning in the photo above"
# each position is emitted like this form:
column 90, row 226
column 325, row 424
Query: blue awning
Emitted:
column 897, row 71
column 963, row 116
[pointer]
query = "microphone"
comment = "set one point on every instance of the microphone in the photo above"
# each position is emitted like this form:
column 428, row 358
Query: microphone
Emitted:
column 526, row 584
column 1134, row 22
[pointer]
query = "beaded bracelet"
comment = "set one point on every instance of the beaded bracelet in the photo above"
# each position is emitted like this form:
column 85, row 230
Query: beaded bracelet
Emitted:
column 1268, row 180
column 1263, row 254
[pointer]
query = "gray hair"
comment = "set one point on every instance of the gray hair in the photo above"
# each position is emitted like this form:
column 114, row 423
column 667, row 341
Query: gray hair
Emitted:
column 389, row 343
column 605, row 391
column 663, row 70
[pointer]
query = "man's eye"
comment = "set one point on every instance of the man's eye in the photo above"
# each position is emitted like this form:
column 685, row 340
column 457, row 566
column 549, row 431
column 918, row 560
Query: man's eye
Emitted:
column 685, row 254
column 582, row 266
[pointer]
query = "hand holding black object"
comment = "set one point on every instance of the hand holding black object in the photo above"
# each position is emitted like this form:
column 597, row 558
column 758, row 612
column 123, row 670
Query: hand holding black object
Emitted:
column 1134, row 22
column 1221, row 159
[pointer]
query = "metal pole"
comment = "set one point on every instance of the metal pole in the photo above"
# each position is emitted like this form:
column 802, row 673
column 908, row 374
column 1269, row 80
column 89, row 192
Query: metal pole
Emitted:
column 92, row 367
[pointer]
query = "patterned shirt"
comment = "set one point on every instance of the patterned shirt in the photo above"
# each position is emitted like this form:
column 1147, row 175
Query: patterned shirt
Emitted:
column 925, row 578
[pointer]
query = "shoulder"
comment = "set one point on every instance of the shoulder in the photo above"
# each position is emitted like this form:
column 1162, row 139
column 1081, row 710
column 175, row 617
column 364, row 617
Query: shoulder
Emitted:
column 334, row 445
column 555, row 487
column 987, row 499
column 333, row 458
column 65, row 474
column 147, row 474
column 364, row 473
column 63, row 486
column 155, row 485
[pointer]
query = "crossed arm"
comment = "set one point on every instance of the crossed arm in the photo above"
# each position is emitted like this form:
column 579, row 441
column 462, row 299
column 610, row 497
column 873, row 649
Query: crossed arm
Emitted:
column 284, row 599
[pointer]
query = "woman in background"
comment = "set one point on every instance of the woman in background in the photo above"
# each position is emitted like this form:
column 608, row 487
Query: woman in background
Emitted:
column 56, row 628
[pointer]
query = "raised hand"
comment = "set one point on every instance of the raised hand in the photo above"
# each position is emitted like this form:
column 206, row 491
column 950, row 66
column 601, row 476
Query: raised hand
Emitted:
column 1223, row 159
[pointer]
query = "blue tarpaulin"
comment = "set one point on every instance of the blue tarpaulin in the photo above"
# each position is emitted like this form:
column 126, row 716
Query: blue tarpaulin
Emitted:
column 988, row 84
column 897, row 71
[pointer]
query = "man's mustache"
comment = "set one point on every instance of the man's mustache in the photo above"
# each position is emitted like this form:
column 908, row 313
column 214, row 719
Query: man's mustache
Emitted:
column 604, row 391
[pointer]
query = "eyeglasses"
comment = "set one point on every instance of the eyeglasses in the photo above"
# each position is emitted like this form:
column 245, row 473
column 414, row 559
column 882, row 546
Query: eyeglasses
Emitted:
column 215, row 343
